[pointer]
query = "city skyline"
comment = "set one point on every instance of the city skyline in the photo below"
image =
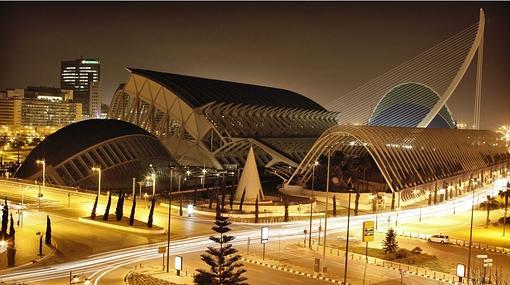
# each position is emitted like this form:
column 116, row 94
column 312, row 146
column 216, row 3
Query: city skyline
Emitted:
column 322, row 54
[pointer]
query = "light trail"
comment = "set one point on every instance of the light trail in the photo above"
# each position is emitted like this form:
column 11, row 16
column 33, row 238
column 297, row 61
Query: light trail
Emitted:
column 101, row 264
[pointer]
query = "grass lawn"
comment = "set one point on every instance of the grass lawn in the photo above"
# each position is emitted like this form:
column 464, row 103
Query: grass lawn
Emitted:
column 125, row 222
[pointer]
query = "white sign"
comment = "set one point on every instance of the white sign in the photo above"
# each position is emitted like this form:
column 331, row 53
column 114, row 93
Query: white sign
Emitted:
column 488, row 260
column 178, row 263
column 264, row 234
column 460, row 270
column 481, row 256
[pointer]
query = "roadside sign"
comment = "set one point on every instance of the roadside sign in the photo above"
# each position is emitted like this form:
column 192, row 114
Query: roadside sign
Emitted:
column 481, row 256
column 460, row 270
column 264, row 234
column 317, row 265
column 162, row 249
column 368, row 231
column 488, row 260
column 178, row 263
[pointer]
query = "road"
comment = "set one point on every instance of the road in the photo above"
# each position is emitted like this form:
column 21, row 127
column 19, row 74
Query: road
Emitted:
column 79, row 246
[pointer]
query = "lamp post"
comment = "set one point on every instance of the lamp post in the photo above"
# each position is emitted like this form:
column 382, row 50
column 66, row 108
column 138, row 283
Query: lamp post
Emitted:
column 153, row 178
column 43, row 162
column 347, row 239
column 204, row 171
column 169, row 218
column 326, row 214
column 311, row 203
column 471, row 181
column 98, row 169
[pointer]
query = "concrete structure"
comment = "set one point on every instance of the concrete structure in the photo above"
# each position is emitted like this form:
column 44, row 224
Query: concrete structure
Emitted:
column 413, row 163
column 249, row 183
column 214, row 122
column 120, row 149
column 83, row 76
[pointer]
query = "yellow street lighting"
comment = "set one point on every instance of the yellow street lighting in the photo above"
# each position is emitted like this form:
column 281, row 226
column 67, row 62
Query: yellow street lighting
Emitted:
column 98, row 169
column 43, row 162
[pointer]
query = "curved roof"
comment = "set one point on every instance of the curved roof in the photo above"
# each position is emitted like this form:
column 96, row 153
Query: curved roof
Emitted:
column 198, row 91
column 74, row 138
column 406, row 105
column 411, row 156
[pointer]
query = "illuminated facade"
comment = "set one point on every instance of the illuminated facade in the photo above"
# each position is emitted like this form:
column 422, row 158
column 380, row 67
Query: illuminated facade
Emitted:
column 122, row 150
column 408, row 161
column 83, row 77
column 38, row 107
column 213, row 122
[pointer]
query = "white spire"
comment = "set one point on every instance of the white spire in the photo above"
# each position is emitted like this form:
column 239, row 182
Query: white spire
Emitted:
column 250, row 180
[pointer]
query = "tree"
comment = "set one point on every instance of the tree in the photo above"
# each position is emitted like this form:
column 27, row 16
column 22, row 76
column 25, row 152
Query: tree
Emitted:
column 47, row 237
column 5, row 219
column 334, row 206
column 242, row 201
column 356, row 201
column 107, row 209
column 12, row 231
column 119, row 210
column 223, row 260
column 212, row 195
column 180, row 205
column 286, row 208
column 132, row 214
column 490, row 204
column 257, row 210
column 151, row 212
column 94, row 208
column 390, row 244
column 231, row 199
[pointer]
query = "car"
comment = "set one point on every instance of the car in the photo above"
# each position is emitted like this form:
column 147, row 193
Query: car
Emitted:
column 502, row 218
column 440, row 238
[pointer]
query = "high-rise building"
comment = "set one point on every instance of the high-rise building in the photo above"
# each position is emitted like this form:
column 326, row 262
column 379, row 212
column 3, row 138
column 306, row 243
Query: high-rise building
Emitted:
column 83, row 76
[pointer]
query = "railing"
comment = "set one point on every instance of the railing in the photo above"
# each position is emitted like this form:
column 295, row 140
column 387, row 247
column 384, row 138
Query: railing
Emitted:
column 403, row 268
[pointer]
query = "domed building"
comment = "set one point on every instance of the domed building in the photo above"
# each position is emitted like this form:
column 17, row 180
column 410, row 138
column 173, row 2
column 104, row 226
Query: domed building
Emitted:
column 406, row 105
column 121, row 150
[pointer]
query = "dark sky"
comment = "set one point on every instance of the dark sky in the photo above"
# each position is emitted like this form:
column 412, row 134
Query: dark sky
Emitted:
column 321, row 50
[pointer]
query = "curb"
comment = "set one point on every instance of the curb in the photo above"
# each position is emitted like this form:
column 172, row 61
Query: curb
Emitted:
column 52, row 252
column 293, row 271
column 121, row 228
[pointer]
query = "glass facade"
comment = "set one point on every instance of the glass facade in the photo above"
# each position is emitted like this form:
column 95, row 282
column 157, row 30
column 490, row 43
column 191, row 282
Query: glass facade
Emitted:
column 83, row 76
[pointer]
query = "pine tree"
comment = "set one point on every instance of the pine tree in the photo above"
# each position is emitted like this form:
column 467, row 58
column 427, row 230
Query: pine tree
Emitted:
column 107, row 209
column 5, row 219
column 242, row 201
column 180, row 205
column 389, row 243
column 12, row 231
column 94, row 208
column 151, row 212
column 356, row 202
column 286, row 214
column 334, row 206
column 47, row 240
column 132, row 215
column 257, row 210
column 223, row 260
column 119, row 210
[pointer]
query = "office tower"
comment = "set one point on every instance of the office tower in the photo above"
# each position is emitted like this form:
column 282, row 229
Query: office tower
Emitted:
column 83, row 76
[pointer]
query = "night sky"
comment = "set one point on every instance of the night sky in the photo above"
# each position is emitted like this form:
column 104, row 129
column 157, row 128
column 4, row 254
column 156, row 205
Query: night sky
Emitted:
column 321, row 50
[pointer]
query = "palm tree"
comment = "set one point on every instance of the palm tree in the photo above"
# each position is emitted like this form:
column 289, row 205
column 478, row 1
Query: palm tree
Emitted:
column 490, row 204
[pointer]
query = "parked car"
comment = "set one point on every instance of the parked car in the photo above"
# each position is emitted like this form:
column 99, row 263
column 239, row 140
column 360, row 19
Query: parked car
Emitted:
column 502, row 218
column 439, row 238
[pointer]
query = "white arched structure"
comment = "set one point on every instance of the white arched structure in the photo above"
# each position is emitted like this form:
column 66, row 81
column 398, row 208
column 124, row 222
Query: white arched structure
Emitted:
column 441, row 68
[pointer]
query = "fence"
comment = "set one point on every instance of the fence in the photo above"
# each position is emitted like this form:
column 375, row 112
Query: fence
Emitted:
column 403, row 268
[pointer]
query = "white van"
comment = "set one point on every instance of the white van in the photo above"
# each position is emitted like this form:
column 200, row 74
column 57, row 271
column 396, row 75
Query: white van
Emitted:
column 439, row 239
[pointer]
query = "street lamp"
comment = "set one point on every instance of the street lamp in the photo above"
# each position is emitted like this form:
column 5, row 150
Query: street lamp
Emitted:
column 472, row 181
column 311, row 203
column 98, row 169
column 204, row 171
column 153, row 178
column 326, row 212
column 43, row 162
column 169, row 218
column 347, row 239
